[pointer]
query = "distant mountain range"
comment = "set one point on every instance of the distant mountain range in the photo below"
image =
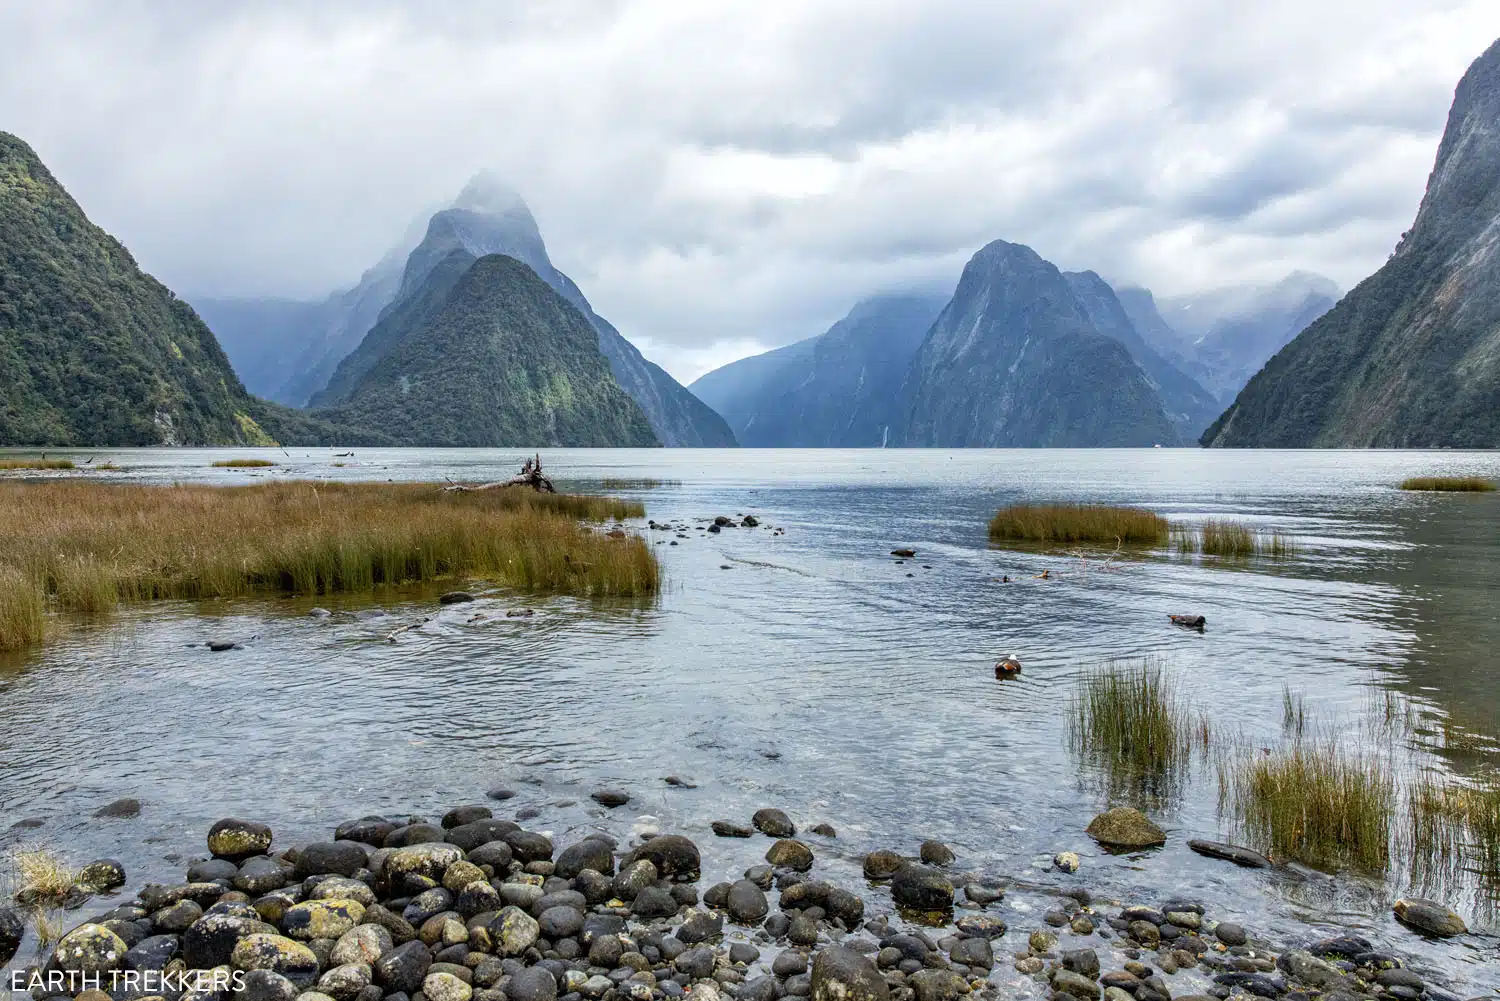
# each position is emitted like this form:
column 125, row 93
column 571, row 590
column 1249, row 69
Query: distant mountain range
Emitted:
column 486, row 218
column 1411, row 356
column 1021, row 354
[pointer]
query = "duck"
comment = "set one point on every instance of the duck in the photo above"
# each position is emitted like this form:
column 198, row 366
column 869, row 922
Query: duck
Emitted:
column 1007, row 668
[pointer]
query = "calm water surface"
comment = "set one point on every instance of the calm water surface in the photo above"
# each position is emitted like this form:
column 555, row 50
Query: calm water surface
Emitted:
column 809, row 670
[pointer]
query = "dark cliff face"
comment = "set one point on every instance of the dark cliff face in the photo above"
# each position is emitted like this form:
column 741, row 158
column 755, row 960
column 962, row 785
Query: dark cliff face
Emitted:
column 94, row 351
column 1411, row 356
column 1014, row 361
column 1189, row 406
column 484, row 353
column 838, row 390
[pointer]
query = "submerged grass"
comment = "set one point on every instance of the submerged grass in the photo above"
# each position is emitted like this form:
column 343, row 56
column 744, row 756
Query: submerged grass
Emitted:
column 85, row 547
column 643, row 483
column 1454, row 828
column 1078, row 523
column 36, row 464
column 1232, row 540
column 1312, row 801
column 1455, row 484
column 1131, row 721
column 243, row 463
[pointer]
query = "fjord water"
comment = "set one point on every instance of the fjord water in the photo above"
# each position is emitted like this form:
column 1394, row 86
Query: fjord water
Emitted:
column 808, row 670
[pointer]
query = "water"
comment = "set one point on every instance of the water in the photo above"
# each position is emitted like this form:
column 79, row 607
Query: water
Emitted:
column 816, row 673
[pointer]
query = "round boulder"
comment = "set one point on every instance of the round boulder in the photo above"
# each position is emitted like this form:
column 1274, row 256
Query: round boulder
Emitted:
column 790, row 854
column 322, row 918
column 1429, row 917
column 338, row 858
column 883, row 864
column 461, row 815
column 919, row 888
column 279, row 954
column 210, row 940
column 89, row 948
column 841, row 974
column 936, row 853
column 774, row 823
column 101, row 874
column 430, row 860
column 590, row 853
column 674, row 856
column 237, row 840
column 747, row 903
column 1125, row 827
column 535, row 983
column 12, row 930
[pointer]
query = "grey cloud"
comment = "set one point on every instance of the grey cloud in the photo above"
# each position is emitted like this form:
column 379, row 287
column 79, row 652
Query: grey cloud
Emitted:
column 738, row 173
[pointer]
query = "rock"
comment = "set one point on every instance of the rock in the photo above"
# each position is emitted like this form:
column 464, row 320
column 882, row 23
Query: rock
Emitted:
column 1084, row 961
column 261, row 874
column 1066, row 861
column 610, row 797
column 210, row 941
column 921, row 889
column 177, row 917
column 982, row 896
column 1125, row 827
column 904, row 554
column 560, row 922
column 529, row 846
column 219, row 646
column 774, row 823
column 845, row 907
column 12, row 930
column 1029, row 965
column 747, row 903
column 500, row 793
column 634, row 878
column 413, row 834
column 696, row 964
column 455, row 598
column 120, row 809
column 789, row 963
column 674, row 856
column 749, row 521
column 727, row 829
column 981, row 926
column 790, row 854
column 534, row 983
column 700, row 926
column 344, row 983
column 279, row 954
column 883, row 864
column 100, row 875
column 1429, row 917
column 461, row 815
column 445, row 987
column 514, row 931
column 88, row 949
column 211, row 870
column 265, row 985
column 403, row 968
column 322, row 918
column 1041, row 941
column 1230, row 933
column 1230, row 853
column 590, row 853
column 430, row 860
column 825, row 831
column 1076, row 984
column 340, row 858
column 936, row 853
column 1257, row 984
column 975, row 952
column 237, row 840
column 477, row 833
column 654, row 902
column 937, row 985
column 363, row 944
column 495, row 854
column 841, row 974
column 1308, row 969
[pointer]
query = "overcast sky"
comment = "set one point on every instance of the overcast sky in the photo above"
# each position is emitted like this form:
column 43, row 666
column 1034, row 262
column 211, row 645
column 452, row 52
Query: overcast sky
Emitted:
column 726, row 176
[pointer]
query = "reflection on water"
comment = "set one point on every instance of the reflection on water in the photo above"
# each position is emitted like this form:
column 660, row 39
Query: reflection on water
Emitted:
column 817, row 672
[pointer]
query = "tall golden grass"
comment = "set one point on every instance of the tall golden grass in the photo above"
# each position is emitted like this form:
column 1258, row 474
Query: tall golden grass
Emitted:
column 36, row 464
column 1132, row 722
column 1457, row 484
column 1232, row 539
column 87, row 546
column 1078, row 523
column 243, row 463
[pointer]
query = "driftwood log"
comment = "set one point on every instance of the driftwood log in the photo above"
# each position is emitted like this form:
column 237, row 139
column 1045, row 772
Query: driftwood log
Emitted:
column 530, row 476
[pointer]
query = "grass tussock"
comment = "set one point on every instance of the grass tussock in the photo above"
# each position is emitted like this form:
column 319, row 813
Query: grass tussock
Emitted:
column 1293, row 712
column 109, row 467
column 1312, row 801
column 1132, row 722
column 88, row 546
column 1232, row 540
column 1078, row 523
column 1455, row 828
column 39, row 876
column 36, row 463
column 243, row 463
column 642, row 483
column 1450, row 484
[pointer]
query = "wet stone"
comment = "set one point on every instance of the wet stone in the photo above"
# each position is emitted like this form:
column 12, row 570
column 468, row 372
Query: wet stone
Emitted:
column 774, row 823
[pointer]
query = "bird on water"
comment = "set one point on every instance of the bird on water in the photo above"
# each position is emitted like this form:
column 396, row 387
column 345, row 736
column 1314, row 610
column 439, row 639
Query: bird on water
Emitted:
column 1008, row 668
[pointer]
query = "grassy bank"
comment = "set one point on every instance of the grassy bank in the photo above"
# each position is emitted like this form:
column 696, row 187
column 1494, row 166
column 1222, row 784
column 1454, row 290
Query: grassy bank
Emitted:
column 1078, row 523
column 1131, row 722
column 25, row 463
column 87, row 547
column 1451, row 484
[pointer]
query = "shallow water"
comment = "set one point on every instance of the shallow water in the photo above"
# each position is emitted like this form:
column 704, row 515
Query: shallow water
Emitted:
column 816, row 673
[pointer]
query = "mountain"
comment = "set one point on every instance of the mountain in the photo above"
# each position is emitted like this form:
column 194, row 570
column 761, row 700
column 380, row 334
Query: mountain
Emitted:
column 95, row 352
column 1411, row 356
column 1229, row 333
column 1014, row 361
column 837, row 390
column 261, row 335
column 488, row 354
column 486, row 218
column 1190, row 406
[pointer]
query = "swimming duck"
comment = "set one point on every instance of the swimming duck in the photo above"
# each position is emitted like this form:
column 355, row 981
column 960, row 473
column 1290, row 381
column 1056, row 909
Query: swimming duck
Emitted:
column 1008, row 668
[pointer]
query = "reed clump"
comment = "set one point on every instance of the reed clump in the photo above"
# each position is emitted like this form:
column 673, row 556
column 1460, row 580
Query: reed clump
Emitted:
column 641, row 483
column 1232, row 540
column 1078, row 523
column 1131, row 721
column 1312, row 801
column 1455, row 828
column 1451, row 484
column 243, row 463
column 39, row 876
column 25, row 463
column 86, row 547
